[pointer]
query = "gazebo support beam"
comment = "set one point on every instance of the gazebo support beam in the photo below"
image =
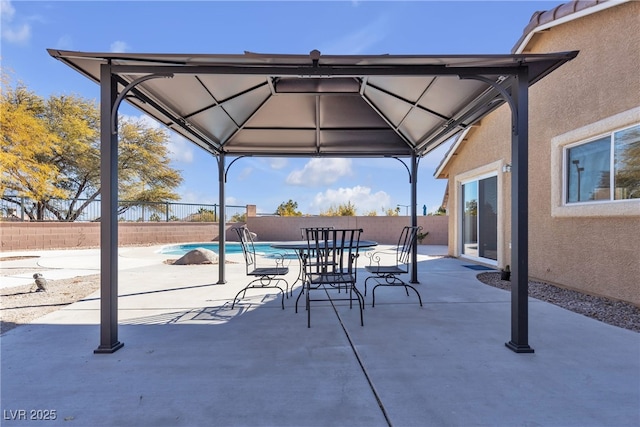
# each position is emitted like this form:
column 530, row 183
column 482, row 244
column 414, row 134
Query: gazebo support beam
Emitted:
column 519, row 216
column 413, row 180
column 108, row 215
column 414, row 216
column 222, row 237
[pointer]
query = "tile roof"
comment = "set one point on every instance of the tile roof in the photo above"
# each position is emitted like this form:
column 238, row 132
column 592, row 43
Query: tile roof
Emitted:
column 543, row 17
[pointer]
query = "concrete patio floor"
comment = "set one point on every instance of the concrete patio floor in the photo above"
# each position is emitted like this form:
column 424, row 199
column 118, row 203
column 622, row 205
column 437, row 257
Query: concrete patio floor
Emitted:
column 190, row 360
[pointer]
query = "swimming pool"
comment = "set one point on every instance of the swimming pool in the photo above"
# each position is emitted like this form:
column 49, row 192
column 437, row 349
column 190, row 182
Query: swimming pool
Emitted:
column 231, row 248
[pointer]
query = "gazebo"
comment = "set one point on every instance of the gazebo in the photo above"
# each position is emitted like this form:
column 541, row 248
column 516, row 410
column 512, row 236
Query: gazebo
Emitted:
column 232, row 106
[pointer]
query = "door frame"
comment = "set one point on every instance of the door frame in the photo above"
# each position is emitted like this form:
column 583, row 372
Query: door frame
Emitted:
column 477, row 174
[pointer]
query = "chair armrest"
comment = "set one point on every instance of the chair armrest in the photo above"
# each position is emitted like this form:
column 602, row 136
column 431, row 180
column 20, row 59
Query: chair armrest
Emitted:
column 281, row 260
column 374, row 257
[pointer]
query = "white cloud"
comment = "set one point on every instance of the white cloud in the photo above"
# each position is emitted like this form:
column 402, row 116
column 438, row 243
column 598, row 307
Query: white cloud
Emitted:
column 360, row 40
column 232, row 201
column 7, row 11
column 359, row 196
column 180, row 150
column 318, row 172
column 119, row 46
column 18, row 33
column 65, row 43
column 189, row 195
column 278, row 162
column 245, row 173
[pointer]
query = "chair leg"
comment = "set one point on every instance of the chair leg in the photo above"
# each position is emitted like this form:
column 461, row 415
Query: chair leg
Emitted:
column 236, row 297
column 365, row 283
column 282, row 290
column 282, row 299
column 308, row 308
column 299, row 295
column 360, row 304
column 251, row 286
column 416, row 291
column 373, row 296
column 359, row 295
column 396, row 282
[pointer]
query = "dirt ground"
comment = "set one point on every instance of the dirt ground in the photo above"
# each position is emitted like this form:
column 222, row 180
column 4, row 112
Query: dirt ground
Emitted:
column 22, row 304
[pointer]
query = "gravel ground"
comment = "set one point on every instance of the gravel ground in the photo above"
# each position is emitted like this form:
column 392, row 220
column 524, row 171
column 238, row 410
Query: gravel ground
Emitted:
column 616, row 313
column 21, row 305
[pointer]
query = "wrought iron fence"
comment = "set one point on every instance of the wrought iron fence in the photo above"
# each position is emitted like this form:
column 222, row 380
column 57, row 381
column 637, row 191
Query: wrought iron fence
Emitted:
column 13, row 208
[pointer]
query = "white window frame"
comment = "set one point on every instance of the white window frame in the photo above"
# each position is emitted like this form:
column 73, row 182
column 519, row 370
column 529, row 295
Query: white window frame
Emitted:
column 565, row 171
column 559, row 146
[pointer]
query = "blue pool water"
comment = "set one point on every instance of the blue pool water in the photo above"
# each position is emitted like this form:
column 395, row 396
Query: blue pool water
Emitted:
column 231, row 248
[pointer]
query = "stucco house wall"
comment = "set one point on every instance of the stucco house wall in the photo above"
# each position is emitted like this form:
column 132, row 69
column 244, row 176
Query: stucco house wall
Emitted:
column 592, row 249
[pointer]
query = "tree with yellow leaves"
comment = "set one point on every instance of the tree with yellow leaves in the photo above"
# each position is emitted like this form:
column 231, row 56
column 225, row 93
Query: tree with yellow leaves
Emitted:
column 51, row 149
column 26, row 144
column 347, row 209
column 289, row 208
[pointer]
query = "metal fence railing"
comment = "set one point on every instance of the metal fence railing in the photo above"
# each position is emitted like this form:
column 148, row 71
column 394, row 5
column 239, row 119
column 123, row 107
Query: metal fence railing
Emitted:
column 14, row 208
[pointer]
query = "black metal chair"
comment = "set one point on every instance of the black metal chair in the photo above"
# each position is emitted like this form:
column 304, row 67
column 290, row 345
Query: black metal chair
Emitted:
column 387, row 275
column 307, row 259
column 330, row 263
column 265, row 277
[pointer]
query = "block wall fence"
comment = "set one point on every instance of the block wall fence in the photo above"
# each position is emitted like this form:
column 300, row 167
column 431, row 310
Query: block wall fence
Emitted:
column 17, row 236
column 382, row 229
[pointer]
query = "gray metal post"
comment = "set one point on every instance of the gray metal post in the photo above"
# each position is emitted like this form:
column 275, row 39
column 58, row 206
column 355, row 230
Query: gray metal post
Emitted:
column 221, row 221
column 414, row 216
column 108, row 216
column 519, row 217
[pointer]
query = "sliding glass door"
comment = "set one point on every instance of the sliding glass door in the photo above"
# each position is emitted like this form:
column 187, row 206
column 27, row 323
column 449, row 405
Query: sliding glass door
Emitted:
column 480, row 218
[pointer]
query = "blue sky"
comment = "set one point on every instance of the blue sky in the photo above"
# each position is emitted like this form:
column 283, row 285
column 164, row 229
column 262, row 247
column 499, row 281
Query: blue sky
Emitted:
column 28, row 28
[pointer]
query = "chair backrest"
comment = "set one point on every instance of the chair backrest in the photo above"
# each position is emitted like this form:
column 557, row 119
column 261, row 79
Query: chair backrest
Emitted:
column 303, row 230
column 406, row 242
column 248, row 248
column 331, row 250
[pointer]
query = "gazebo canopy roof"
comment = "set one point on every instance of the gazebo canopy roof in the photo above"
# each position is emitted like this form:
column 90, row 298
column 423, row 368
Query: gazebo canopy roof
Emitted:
column 315, row 105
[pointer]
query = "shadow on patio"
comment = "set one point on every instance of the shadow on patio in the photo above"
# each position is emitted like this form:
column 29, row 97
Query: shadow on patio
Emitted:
column 190, row 360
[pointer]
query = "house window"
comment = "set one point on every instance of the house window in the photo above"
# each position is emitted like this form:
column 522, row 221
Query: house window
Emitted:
column 604, row 169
